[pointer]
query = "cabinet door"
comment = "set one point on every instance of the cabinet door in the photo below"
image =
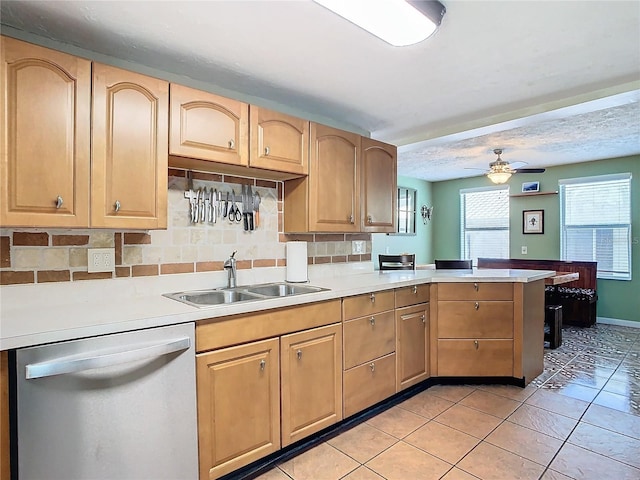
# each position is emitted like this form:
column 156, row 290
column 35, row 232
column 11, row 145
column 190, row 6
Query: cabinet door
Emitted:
column 208, row 127
column 334, row 174
column 278, row 141
column 45, row 144
column 412, row 347
column 129, row 151
column 379, row 184
column 311, row 371
column 238, row 406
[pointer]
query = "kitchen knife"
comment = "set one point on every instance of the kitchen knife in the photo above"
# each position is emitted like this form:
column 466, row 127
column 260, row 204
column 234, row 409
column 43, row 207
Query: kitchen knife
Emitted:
column 191, row 195
column 245, row 213
column 207, row 206
column 196, row 206
column 225, row 206
column 203, row 198
column 256, row 208
column 250, row 205
column 214, row 205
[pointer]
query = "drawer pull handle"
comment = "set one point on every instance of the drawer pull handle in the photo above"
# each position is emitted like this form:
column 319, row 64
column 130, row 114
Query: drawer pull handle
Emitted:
column 267, row 151
column 262, row 365
column 476, row 287
column 372, row 321
column 475, row 342
column 232, row 144
column 373, row 297
column 299, row 354
column 372, row 366
column 423, row 318
column 476, row 306
column 116, row 206
column 415, row 289
column 59, row 201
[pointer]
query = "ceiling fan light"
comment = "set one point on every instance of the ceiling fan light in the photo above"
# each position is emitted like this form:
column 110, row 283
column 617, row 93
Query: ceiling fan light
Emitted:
column 394, row 21
column 499, row 177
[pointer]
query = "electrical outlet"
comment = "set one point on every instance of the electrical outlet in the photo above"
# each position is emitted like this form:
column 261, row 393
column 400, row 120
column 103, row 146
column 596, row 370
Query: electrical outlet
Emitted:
column 523, row 250
column 357, row 247
column 101, row 260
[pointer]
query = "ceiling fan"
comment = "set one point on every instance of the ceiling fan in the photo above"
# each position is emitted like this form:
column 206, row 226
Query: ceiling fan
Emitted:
column 500, row 171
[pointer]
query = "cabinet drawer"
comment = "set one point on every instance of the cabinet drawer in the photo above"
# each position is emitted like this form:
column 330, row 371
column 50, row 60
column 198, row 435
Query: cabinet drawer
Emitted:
column 475, row 291
column 367, row 304
column 475, row 358
column 368, row 337
column 412, row 295
column 475, row 319
column 369, row 384
column 236, row 329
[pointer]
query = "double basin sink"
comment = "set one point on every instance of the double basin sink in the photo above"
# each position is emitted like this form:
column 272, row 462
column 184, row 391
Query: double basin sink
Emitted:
column 222, row 296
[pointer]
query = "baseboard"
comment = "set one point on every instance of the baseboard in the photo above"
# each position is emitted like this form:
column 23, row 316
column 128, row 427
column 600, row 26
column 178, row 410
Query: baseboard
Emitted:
column 617, row 321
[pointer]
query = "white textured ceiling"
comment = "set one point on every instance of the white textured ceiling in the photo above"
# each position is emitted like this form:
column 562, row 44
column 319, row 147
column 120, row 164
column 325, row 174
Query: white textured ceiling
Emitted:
column 550, row 82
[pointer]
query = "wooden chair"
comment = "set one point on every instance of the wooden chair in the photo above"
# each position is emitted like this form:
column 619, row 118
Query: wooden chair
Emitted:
column 453, row 264
column 397, row 262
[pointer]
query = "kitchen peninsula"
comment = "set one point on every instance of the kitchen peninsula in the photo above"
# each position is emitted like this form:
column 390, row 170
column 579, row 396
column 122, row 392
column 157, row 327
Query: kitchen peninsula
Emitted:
column 373, row 334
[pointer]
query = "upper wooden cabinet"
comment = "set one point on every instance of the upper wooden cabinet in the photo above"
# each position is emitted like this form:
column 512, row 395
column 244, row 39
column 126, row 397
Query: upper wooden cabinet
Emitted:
column 205, row 126
column 45, row 143
column 328, row 200
column 129, row 149
column 379, row 183
column 278, row 141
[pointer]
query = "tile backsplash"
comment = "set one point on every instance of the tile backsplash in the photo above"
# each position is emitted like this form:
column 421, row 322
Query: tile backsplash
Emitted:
column 30, row 255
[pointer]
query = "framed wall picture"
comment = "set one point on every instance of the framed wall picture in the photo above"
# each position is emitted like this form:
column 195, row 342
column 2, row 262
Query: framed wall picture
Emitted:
column 533, row 221
column 530, row 187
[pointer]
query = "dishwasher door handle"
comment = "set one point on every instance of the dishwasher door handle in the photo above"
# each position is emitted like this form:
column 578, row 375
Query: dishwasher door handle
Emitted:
column 90, row 361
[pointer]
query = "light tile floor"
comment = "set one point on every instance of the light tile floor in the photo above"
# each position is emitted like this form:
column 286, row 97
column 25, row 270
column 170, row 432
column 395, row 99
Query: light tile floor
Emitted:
column 580, row 419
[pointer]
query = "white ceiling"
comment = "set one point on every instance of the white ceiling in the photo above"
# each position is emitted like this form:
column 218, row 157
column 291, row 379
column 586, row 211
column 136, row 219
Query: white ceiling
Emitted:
column 550, row 82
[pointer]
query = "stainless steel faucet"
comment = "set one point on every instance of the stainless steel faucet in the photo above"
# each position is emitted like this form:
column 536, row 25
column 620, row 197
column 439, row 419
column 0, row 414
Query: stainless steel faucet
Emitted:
column 230, row 267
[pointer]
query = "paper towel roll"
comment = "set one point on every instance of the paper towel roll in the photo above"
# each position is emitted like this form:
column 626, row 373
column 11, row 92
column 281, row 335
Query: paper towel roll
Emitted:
column 297, row 262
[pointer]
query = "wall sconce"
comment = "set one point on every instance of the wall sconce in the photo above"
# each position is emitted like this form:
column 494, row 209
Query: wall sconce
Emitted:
column 426, row 213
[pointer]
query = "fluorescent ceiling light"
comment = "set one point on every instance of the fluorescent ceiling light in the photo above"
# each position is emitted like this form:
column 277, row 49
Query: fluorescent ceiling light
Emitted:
column 395, row 21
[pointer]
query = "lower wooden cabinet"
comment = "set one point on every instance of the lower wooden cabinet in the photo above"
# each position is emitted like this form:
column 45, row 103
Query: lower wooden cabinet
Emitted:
column 369, row 383
column 311, row 367
column 478, row 325
column 238, row 406
column 257, row 397
column 412, row 345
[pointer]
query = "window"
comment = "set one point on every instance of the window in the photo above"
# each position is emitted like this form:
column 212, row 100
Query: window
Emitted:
column 595, row 223
column 484, row 218
column 406, row 211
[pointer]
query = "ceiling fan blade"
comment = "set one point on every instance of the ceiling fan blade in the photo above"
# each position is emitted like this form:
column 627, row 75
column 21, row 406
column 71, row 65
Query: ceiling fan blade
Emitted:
column 530, row 170
column 472, row 168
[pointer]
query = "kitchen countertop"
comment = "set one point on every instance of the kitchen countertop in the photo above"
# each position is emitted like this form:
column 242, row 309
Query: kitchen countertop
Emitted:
column 44, row 313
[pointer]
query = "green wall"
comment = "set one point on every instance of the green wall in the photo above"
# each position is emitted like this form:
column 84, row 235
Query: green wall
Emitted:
column 616, row 298
column 420, row 243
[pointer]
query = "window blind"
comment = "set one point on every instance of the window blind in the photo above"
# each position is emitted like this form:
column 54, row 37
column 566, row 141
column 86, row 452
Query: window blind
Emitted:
column 595, row 217
column 484, row 223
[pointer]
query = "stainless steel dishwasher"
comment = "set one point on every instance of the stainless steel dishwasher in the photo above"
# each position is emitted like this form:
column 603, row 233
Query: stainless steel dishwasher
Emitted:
column 115, row 407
